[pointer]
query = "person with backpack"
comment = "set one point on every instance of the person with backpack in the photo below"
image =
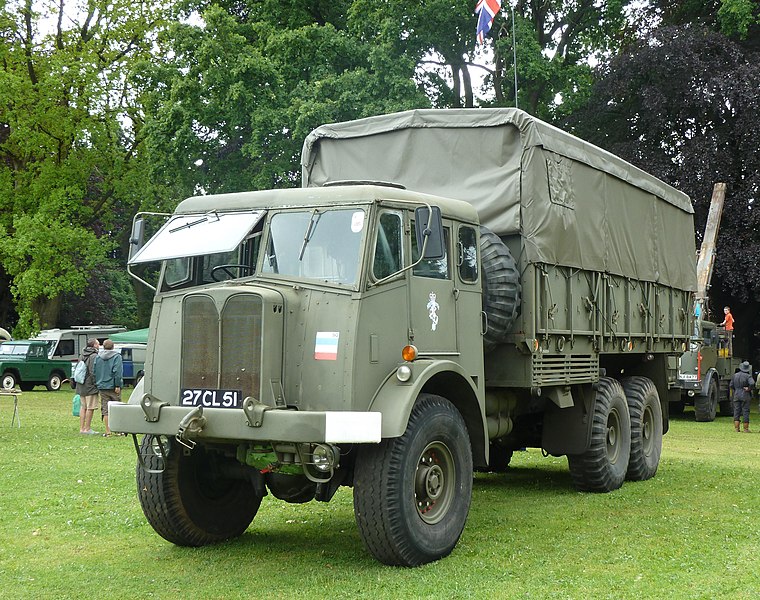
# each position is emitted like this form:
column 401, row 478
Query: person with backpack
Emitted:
column 87, row 389
column 742, row 384
column 109, row 377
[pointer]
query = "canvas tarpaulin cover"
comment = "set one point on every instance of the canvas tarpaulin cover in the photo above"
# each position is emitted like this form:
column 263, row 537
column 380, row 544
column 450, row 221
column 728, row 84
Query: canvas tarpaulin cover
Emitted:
column 573, row 204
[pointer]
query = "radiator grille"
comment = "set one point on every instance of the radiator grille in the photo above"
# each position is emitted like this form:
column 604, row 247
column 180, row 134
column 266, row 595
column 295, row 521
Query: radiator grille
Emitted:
column 200, row 343
column 558, row 369
column 241, row 340
column 222, row 352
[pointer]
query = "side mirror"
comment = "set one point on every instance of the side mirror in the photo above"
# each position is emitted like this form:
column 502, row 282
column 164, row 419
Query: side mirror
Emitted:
column 427, row 224
column 137, row 239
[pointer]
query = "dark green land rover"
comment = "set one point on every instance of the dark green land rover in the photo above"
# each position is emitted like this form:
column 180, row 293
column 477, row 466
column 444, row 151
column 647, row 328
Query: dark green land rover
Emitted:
column 25, row 363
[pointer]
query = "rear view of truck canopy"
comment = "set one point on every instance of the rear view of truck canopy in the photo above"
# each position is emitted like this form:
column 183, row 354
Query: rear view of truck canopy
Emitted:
column 571, row 203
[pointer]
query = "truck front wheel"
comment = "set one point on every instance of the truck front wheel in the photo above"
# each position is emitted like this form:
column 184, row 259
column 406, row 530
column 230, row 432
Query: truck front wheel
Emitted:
column 646, row 427
column 412, row 493
column 705, row 407
column 191, row 502
column 603, row 466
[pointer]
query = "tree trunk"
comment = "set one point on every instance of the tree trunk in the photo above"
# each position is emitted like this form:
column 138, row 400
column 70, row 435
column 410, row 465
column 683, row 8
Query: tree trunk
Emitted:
column 48, row 310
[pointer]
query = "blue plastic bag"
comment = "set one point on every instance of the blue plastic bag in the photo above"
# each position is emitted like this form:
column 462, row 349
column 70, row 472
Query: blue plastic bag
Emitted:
column 76, row 404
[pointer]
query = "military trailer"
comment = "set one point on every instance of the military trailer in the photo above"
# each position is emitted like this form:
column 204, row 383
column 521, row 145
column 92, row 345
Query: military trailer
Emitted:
column 509, row 286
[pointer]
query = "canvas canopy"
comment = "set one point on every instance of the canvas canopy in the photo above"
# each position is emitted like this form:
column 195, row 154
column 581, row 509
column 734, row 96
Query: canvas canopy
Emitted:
column 571, row 203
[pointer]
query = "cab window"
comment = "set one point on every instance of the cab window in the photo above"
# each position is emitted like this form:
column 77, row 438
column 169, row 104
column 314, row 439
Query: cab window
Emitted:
column 436, row 268
column 467, row 259
column 388, row 244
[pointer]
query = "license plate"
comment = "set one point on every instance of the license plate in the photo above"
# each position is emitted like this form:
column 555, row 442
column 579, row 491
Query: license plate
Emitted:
column 688, row 377
column 212, row 398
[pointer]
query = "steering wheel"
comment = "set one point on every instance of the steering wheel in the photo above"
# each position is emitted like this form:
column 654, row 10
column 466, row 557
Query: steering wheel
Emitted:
column 227, row 270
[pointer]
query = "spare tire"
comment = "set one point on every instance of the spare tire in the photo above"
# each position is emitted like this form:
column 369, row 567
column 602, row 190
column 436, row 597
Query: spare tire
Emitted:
column 500, row 282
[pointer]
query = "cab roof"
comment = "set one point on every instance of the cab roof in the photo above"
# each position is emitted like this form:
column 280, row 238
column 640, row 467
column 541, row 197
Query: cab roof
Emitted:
column 332, row 195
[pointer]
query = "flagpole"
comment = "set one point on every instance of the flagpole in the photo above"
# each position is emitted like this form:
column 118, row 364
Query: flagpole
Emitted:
column 514, row 50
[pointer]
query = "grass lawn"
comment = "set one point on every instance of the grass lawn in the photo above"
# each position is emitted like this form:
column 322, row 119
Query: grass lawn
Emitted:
column 71, row 527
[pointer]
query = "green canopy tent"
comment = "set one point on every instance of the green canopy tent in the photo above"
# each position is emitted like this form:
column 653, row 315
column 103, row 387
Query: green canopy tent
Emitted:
column 137, row 336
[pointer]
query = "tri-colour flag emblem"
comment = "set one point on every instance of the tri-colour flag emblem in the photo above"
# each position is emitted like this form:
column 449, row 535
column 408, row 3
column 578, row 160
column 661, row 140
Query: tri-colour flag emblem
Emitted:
column 326, row 346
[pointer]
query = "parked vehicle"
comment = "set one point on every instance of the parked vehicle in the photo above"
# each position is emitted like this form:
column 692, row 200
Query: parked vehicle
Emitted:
column 513, row 287
column 705, row 373
column 25, row 363
column 67, row 344
column 133, row 361
column 706, row 368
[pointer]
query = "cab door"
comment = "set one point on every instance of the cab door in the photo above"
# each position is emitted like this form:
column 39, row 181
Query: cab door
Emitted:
column 432, row 302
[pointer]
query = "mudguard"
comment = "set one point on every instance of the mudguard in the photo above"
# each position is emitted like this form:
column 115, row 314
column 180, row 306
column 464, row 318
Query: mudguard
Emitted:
column 395, row 399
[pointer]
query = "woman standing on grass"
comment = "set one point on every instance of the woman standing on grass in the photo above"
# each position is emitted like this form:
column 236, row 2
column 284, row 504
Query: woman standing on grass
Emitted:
column 88, row 391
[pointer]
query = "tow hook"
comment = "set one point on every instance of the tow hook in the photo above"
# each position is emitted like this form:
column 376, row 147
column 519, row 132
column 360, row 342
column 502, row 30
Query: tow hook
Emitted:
column 191, row 425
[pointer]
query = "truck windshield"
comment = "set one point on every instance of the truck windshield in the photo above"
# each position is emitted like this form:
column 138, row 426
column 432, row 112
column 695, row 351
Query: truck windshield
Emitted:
column 211, row 268
column 318, row 244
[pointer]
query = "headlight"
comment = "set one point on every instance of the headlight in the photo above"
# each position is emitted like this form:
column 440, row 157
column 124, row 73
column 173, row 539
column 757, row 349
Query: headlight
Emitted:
column 324, row 457
column 404, row 373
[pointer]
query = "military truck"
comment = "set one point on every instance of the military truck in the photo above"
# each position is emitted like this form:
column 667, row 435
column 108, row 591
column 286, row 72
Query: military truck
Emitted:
column 705, row 373
column 705, row 369
column 509, row 286
column 25, row 363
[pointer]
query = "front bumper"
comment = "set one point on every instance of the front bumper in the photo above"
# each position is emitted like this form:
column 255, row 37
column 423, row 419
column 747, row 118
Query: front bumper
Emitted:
column 222, row 424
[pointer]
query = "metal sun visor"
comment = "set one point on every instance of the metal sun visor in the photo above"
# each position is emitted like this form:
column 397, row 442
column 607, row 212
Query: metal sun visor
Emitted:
column 197, row 235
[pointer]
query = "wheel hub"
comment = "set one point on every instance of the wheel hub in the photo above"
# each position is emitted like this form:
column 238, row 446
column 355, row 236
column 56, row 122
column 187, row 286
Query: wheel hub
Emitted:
column 434, row 482
column 613, row 429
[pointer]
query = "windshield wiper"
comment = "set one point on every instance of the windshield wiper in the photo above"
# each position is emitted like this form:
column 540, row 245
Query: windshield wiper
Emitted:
column 315, row 214
column 203, row 219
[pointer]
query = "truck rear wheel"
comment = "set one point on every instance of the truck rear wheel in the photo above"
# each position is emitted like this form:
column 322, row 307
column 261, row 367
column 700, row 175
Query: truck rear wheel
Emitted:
column 705, row 407
column 603, row 466
column 501, row 287
column 191, row 503
column 412, row 493
column 646, row 427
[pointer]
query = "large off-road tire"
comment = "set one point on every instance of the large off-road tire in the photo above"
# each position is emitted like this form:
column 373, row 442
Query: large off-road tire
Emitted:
column 500, row 282
column 603, row 466
column 54, row 382
column 706, row 406
column 412, row 493
column 8, row 381
column 191, row 503
column 646, row 427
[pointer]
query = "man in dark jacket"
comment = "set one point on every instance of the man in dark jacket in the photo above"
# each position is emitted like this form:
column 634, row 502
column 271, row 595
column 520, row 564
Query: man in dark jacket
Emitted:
column 88, row 391
column 109, row 373
column 742, row 384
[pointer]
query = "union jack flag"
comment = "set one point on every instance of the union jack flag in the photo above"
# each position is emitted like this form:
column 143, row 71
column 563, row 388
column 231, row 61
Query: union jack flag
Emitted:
column 486, row 11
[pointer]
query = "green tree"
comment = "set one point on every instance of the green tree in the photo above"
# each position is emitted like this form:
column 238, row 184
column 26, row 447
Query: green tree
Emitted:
column 70, row 130
column 683, row 104
column 236, row 94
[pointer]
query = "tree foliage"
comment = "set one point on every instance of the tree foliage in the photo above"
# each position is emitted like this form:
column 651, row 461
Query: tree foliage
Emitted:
column 70, row 170
column 237, row 94
column 683, row 104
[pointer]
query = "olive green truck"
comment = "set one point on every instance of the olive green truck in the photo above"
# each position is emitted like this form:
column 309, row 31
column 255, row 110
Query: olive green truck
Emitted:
column 445, row 288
